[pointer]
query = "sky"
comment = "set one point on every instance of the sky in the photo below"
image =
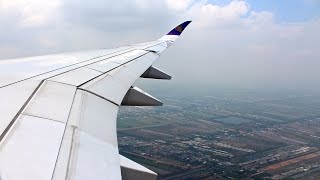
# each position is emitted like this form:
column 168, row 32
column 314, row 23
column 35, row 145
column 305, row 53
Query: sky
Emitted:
column 230, row 43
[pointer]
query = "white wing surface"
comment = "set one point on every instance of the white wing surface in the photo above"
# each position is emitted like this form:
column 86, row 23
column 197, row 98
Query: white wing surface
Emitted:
column 58, row 112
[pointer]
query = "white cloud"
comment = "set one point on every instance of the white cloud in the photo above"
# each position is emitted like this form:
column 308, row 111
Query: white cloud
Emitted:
column 31, row 12
column 229, row 44
column 206, row 14
column 179, row 4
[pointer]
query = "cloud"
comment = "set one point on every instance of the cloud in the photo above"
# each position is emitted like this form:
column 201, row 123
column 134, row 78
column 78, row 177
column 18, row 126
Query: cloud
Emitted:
column 179, row 4
column 226, row 45
column 31, row 12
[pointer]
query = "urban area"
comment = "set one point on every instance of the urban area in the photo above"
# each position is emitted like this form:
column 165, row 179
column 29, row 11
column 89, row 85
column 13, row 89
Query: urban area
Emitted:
column 228, row 135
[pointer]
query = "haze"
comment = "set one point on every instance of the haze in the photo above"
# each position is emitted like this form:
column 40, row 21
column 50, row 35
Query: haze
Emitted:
column 233, row 44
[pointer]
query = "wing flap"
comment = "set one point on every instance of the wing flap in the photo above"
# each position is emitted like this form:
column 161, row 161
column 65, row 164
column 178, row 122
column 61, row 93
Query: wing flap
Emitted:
column 13, row 99
column 52, row 96
column 115, row 84
column 107, row 87
column 30, row 149
column 90, row 142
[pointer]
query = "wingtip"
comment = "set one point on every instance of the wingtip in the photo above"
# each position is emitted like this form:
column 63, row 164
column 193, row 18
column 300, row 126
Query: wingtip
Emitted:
column 179, row 29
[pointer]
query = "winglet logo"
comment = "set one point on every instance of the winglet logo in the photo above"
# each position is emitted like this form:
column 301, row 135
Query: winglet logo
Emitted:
column 179, row 28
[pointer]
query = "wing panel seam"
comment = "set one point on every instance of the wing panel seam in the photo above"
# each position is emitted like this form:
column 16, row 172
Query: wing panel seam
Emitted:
column 64, row 132
column 42, row 117
column 4, row 133
column 113, row 69
column 88, row 64
column 63, row 83
column 78, row 63
column 65, row 67
column 94, row 69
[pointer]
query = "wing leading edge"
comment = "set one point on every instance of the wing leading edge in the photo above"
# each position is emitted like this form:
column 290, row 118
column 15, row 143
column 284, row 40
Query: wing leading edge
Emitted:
column 59, row 121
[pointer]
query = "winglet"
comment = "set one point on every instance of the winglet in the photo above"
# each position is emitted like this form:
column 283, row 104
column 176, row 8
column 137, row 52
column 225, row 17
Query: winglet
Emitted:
column 175, row 33
column 179, row 29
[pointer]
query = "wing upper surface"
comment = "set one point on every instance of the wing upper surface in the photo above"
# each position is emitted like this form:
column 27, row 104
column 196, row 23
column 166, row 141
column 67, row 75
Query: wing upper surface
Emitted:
column 58, row 120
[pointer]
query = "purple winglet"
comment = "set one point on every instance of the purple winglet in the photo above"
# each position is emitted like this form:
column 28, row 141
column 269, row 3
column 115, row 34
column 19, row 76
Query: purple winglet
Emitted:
column 178, row 30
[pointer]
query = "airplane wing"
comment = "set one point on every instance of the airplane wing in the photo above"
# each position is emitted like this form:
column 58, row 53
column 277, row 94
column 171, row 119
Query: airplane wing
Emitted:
column 58, row 112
